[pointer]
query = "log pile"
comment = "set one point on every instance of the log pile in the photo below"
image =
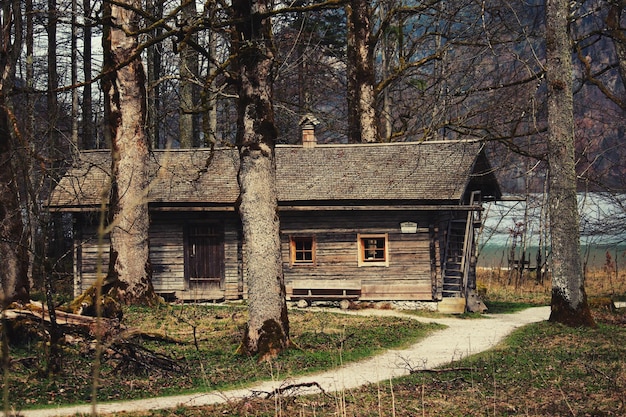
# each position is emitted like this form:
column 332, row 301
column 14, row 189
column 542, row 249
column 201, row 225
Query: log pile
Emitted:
column 121, row 345
column 94, row 326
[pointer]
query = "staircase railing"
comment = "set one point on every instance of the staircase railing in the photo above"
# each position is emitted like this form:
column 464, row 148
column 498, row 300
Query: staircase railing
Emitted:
column 468, row 241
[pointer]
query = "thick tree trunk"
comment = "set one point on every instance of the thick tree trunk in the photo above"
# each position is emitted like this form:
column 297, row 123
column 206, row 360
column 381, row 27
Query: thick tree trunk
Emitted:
column 13, row 249
column 569, row 301
column 267, row 332
column 130, row 272
column 362, row 122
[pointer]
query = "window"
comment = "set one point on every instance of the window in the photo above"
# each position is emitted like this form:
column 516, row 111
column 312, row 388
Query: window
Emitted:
column 373, row 250
column 302, row 250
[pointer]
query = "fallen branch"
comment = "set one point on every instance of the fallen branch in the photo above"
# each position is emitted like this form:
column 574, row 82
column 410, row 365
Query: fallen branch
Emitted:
column 598, row 371
column 438, row 371
column 92, row 325
column 290, row 389
column 136, row 359
column 152, row 336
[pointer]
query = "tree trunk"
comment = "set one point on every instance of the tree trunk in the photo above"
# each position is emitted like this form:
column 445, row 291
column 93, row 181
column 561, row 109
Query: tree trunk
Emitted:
column 74, row 74
column 13, row 249
column 267, row 331
column 613, row 21
column 209, row 94
column 155, row 8
column 569, row 301
column 188, row 71
column 89, row 139
column 53, row 82
column 362, row 122
column 130, row 272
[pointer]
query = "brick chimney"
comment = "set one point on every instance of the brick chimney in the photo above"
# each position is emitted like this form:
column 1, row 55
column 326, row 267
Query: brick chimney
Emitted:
column 307, row 124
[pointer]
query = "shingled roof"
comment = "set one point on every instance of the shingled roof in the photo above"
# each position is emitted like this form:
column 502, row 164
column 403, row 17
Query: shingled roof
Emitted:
column 425, row 171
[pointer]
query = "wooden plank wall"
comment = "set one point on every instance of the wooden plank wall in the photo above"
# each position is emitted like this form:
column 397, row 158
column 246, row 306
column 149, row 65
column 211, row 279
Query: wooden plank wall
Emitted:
column 166, row 253
column 90, row 253
column 167, row 257
column 408, row 275
column 233, row 270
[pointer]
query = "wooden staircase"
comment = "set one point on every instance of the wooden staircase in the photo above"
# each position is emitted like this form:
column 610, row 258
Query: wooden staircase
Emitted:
column 453, row 267
column 459, row 266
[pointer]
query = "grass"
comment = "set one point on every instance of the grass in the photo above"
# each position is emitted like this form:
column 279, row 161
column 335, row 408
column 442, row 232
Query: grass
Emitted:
column 540, row 370
column 321, row 341
column 497, row 286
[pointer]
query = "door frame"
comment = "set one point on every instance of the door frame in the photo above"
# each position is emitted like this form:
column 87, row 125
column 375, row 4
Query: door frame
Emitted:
column 218, row 233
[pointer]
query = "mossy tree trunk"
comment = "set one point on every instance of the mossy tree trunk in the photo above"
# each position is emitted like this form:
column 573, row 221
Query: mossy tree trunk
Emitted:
column 569, row 301
column 130, row 273
column 267, row 331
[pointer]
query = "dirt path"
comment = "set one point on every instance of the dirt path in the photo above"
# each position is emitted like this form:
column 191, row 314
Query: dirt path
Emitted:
column 461, row 338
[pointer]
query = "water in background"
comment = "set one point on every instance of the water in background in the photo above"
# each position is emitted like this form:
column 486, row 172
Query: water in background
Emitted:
column 523, row 224
column 594, row 256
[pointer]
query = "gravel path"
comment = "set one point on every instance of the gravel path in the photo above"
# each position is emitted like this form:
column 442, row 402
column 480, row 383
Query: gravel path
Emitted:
column 461, row 338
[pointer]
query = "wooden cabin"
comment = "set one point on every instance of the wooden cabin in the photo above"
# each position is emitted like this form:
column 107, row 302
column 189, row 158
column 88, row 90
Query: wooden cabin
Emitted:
column 371, row 222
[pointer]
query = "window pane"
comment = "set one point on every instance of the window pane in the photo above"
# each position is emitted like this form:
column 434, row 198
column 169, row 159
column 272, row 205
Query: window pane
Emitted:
column 373, row 249
column 302, row 245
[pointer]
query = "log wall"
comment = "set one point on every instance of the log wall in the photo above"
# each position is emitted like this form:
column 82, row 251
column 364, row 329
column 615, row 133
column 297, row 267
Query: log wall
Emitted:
column 167, row 234
column 413, row 271
column 408, row 276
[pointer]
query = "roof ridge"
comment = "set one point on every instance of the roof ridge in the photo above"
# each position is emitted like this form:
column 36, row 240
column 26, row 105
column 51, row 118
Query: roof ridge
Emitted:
column 299, row 146
column 375, row 144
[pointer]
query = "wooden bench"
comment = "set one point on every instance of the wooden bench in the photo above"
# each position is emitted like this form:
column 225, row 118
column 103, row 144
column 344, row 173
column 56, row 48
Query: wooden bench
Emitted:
column 390, row 291
column 324, row 289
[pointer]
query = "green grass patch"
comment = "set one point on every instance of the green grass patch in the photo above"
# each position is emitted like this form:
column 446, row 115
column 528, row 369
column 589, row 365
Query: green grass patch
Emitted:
column 506, row 307
column 321, row 340
column 542, row 369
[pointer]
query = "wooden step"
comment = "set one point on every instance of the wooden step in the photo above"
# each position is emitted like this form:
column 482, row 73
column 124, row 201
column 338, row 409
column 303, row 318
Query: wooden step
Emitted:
column 451, row 305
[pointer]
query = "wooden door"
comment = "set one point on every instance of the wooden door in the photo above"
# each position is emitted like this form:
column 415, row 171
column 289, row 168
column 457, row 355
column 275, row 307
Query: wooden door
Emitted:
column 205, row 257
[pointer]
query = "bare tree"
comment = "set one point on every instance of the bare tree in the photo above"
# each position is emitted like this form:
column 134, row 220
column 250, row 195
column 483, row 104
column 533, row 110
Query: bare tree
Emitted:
column 153, row 62
column 311, row 75
column 569, row 300
column 74, row 72
column 618, row 35
column 89, row 139
column 601, row 46
column 267, row 332
column 130, row 273
column 188, row 123
column 53, row 79
column 362, row 120
column 13, row 246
